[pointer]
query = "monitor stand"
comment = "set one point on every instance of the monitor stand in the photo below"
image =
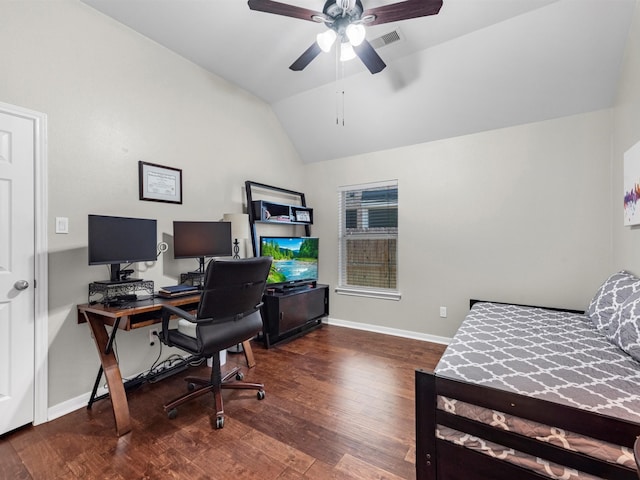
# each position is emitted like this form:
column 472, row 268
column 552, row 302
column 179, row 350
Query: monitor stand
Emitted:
column 201, row 267
column 118, row 282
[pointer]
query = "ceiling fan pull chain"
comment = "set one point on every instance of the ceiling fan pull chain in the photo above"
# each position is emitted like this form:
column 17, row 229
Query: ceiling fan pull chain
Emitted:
column 339, row 92
column 339, row 106
column 342, row 67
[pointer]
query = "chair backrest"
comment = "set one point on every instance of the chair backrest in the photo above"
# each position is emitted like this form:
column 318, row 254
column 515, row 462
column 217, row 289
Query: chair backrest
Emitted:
column 233, row 287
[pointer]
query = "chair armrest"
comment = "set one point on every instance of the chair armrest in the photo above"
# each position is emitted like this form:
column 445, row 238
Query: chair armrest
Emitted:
column 167, row 311
column 179, row 312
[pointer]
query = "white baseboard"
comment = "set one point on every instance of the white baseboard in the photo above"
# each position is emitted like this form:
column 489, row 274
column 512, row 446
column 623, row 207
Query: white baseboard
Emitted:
column 81, row 401
column 72, row 404
column 387, row 331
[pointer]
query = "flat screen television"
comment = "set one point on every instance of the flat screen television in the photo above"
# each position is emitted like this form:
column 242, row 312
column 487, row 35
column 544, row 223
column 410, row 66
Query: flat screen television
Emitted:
column 117, row 240
column 201, row 239
column 295, row 259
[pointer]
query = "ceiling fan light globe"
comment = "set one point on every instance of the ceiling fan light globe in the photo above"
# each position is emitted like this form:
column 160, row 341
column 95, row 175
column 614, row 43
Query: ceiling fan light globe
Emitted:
column 355, row 33
column 325, row 40
column 347, row 52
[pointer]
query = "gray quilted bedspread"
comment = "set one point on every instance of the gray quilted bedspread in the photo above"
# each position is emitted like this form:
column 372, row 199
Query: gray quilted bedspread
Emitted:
column 556, row 356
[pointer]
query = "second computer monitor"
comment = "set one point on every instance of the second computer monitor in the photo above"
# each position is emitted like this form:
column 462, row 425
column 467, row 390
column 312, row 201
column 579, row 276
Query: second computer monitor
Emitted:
column 201, row 239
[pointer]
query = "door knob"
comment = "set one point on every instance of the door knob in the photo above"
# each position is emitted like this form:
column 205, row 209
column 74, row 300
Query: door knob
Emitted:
column 21, row 285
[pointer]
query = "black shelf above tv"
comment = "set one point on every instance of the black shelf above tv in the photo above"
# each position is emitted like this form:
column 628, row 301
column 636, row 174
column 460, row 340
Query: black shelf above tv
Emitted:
column 279, row 212
column 271, row 212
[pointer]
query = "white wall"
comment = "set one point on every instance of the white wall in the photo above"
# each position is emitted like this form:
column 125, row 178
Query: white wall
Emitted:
column 626, row 240
column 113, row 98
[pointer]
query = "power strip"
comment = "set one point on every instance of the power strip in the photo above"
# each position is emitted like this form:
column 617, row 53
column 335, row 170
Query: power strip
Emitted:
column 167, row 372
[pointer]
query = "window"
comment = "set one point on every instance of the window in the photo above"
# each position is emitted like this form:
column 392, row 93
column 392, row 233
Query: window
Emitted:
column 368, row 231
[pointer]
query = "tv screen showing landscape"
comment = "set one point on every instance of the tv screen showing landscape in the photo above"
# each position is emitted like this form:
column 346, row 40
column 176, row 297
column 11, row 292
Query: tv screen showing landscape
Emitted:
column 295, row 259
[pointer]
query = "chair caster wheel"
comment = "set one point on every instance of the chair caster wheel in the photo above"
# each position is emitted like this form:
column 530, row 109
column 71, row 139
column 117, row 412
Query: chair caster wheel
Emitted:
column 173, row 413
column 261, row 394
column 219, row 422
column 239, row 376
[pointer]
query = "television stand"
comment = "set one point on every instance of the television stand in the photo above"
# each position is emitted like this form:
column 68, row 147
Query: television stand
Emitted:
column 290, row 314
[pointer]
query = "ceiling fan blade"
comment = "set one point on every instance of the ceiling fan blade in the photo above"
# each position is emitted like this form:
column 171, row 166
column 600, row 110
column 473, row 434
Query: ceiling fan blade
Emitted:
column 403, row 11
column 305, row 59
column 278, row 8
column 370, row 57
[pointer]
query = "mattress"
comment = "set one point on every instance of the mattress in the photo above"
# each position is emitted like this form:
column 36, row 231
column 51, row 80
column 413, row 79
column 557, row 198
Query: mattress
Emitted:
column 551, row 355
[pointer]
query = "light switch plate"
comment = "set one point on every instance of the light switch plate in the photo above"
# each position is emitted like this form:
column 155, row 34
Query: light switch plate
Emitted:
column 62, row 225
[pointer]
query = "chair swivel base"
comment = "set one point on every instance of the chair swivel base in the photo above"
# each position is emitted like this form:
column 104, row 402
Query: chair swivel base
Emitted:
column 198, row 386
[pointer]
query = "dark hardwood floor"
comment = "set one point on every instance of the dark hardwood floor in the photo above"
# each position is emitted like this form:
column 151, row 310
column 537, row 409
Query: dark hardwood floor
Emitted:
column 339, row 405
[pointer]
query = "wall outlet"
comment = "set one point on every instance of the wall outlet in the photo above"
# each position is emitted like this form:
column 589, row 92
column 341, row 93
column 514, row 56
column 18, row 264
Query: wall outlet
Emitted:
column 153, row 335
column 443, row 312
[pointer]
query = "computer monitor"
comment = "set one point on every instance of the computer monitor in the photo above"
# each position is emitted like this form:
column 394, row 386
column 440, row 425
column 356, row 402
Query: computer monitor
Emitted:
column 117, row 240
column 201, row 239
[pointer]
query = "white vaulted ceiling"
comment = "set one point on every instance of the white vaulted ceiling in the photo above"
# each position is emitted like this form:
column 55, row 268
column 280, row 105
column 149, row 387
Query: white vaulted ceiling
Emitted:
column 476, row 66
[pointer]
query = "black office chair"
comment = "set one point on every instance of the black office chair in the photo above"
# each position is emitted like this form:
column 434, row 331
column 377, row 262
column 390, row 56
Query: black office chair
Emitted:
column 636, row 454
column 228, row 314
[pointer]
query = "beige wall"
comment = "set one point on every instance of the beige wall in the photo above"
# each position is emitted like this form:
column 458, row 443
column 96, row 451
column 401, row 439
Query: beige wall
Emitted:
column 626, row 240
column 529, row 214
column 519, row 214
column 113, row 98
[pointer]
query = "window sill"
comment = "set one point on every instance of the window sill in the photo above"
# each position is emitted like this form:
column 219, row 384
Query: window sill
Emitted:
column 358, row 292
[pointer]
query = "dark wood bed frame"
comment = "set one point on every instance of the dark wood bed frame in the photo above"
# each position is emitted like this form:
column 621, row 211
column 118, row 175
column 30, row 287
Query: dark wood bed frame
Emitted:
column 441, row 460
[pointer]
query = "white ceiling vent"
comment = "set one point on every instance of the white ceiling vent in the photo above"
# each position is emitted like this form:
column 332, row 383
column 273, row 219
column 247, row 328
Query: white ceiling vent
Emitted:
column 386, row 39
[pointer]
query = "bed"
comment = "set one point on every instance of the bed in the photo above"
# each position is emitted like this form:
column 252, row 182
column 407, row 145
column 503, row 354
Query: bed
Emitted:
column 536, row 393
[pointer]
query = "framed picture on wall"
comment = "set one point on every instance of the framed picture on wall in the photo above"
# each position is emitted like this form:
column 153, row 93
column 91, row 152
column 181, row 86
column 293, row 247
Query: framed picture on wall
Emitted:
column 302, row 216
column 632, row 186
column 159, row 183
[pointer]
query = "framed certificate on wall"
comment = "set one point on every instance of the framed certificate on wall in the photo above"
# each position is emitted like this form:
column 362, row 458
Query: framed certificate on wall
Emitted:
column 159, row 183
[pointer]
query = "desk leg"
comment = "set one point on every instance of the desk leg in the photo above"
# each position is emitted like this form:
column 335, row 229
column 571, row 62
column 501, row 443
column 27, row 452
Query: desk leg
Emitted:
column 112, row 338
column 248, row 354
column 112, row 373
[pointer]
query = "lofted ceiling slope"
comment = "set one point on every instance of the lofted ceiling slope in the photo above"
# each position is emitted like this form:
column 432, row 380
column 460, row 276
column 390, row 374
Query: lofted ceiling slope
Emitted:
column 476, row 66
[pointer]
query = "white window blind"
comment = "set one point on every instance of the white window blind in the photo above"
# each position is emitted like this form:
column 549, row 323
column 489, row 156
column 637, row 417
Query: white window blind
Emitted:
column 368, row 235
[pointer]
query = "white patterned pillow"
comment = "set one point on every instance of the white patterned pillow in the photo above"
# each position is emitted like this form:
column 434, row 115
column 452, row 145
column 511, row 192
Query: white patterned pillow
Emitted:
column 625, row 326
column 610, row 297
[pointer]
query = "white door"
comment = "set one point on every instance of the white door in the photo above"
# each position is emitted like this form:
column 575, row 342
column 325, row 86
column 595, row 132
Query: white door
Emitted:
column 17, row 274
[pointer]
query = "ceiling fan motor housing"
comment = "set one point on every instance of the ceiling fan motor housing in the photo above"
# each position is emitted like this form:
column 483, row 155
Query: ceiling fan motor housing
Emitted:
column 343, row 9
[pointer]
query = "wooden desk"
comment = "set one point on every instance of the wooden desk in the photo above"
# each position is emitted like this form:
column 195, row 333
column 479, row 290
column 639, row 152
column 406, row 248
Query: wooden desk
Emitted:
column 135, row 315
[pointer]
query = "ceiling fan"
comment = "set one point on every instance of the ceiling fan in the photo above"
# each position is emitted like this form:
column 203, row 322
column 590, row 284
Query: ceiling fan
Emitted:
column 345, row 21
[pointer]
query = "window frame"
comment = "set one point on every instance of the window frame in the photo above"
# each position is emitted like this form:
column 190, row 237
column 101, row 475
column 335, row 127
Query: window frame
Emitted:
column 375, row 233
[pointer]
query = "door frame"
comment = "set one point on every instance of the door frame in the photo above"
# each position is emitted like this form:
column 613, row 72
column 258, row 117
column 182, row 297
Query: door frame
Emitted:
column 41, row 282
